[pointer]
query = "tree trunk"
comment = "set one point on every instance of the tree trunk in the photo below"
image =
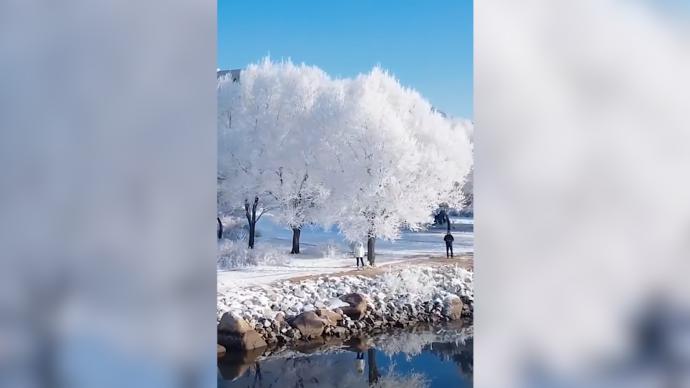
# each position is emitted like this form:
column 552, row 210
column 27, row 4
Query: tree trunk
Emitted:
column 448, row 223
column 295, row 240
column 220, row 228
column 371, row 248
column 251, row 219
column 252, row 230
column 373, row 368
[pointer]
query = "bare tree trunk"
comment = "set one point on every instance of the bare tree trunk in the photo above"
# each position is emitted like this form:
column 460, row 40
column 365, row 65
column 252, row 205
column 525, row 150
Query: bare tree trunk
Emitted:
column 251, row 219
column 373, row 368
column 448, row 222
column 252, row 233
column 295, row 240
column 371, row 250
column 220, row 228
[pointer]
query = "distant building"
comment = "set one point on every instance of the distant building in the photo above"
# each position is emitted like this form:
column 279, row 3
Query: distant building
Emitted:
column 235, row 74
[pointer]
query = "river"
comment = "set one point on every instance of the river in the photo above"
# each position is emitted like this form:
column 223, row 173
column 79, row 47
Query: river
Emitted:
column 422, row 356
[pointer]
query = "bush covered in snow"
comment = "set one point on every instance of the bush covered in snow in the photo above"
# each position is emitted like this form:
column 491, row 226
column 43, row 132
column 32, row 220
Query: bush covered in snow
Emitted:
column 235, row 254
column 333, row 251
column 234, row 228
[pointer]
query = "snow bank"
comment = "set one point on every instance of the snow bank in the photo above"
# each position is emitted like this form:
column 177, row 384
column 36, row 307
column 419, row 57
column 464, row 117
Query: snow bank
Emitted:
column 413, row 285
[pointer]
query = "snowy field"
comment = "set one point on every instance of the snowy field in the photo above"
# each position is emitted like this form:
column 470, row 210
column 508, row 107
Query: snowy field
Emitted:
column 326, row 251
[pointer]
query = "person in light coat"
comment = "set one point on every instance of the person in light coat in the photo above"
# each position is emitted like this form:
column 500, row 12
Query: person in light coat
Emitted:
column 358, row 251
column 359, row 362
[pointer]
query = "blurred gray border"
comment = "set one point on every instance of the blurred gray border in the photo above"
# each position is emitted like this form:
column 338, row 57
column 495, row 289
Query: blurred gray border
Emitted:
column 581, row 196
column 107, row 193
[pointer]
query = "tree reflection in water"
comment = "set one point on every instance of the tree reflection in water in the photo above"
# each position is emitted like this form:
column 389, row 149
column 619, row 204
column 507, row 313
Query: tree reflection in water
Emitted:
column 330, row 364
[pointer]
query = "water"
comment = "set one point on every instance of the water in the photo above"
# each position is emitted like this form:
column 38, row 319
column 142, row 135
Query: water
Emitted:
column 418, row 357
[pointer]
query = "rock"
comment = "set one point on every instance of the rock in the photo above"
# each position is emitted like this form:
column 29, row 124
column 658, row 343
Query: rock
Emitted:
column 233, row 324
column 235, row 364
column 309, row 324
column 357, row 305
column 246, row 341
column 335, row 303
column 332, row 318
column 340, row 331
column 359, row 344
column 453, row 307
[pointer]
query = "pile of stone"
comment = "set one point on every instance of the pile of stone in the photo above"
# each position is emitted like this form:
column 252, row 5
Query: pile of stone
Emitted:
column 357, row 315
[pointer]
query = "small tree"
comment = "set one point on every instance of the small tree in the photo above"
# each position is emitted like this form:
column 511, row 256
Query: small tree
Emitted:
column 248, row 116
column 270, row 128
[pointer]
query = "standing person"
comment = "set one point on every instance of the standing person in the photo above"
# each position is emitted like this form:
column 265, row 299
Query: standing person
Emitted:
column 358, row 251
column 449, row 244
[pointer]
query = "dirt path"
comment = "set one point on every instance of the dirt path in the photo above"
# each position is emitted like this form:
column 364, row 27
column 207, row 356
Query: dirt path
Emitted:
column 465, row 261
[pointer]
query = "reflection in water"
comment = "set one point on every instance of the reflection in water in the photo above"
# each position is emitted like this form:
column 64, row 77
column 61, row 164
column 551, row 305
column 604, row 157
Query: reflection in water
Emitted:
column 419, row 357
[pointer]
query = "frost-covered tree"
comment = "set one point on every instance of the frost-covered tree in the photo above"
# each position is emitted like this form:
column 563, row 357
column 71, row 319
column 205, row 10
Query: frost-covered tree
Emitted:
column 268, row 143
column 364, row 153
column 306, row 159
column 468, row 186
column 398, row 158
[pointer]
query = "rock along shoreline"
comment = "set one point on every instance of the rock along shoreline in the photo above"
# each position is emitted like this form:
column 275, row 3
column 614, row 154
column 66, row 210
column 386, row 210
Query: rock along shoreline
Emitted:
column 342, row 306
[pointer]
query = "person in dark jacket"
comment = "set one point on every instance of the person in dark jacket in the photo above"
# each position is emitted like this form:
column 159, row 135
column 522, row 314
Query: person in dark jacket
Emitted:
column 449, row 244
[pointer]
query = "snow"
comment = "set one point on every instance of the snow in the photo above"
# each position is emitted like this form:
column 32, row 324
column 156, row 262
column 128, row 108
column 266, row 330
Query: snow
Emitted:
column 411, row 285
column 326, row 251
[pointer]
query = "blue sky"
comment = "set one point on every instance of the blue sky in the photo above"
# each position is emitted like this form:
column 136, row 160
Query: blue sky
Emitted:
column 427, row 44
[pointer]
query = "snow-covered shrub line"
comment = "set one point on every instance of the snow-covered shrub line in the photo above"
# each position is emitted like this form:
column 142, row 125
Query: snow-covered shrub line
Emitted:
column 236, row 254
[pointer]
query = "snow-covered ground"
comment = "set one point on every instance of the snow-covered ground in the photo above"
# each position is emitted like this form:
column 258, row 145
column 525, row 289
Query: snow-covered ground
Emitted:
column 326, row 251
column 413, row 285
